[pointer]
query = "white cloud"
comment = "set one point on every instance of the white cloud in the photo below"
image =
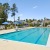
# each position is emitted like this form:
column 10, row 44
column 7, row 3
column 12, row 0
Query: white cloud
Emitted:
column 35, row 7
column 21, row 15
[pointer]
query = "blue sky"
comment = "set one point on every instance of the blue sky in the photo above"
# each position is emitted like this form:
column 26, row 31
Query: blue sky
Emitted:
column 30, row 9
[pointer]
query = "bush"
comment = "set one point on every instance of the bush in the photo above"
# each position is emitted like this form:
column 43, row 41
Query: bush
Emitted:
column 20, row 25
column 31, row 25
column 45, row 24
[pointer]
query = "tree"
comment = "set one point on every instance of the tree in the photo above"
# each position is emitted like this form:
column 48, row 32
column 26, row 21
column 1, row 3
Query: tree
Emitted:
column 26, row 20
column 30, row 21
column 14, row 10
column 4, row 8
column 1, row 8
column 46, row 24
column 39, row 20
column 34, row 19
column 18, row 18
column 44, row 21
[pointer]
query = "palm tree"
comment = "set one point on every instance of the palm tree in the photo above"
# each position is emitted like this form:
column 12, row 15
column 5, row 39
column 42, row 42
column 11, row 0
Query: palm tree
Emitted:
column 19, row 18
column 44, row 21
column 14, row 10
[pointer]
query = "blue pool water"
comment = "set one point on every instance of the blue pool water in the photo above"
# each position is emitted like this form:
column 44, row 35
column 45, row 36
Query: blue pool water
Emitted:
column 34, row 35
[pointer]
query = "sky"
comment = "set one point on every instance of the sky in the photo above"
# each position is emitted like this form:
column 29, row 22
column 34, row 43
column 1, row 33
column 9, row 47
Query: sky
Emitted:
column 30, row 9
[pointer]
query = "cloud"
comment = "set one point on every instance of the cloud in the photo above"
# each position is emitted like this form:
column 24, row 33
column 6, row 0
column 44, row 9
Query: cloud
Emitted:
column 21, row 15
column 35, row 7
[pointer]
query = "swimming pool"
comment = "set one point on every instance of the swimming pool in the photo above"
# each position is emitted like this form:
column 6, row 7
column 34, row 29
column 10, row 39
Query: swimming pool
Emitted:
column 33, row 35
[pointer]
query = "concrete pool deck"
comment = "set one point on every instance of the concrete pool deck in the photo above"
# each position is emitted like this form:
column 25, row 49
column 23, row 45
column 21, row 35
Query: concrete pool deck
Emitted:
column 14, row 45
column 48, row 43
column 12, row 30
column 6, row 31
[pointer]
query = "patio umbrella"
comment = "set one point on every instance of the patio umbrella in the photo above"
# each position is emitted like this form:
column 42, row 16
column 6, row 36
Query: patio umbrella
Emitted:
column 18, row 22
column 6, row 23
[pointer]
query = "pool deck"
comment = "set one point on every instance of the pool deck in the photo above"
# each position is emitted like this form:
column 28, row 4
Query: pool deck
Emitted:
column 12, row 30
column 14, row 45
column 6, row 31
column 48, row 43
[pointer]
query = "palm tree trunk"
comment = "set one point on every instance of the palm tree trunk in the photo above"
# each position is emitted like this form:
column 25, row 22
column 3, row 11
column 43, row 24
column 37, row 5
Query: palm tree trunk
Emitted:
column 14, row 18
column 44, row 22
column 14, row 22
